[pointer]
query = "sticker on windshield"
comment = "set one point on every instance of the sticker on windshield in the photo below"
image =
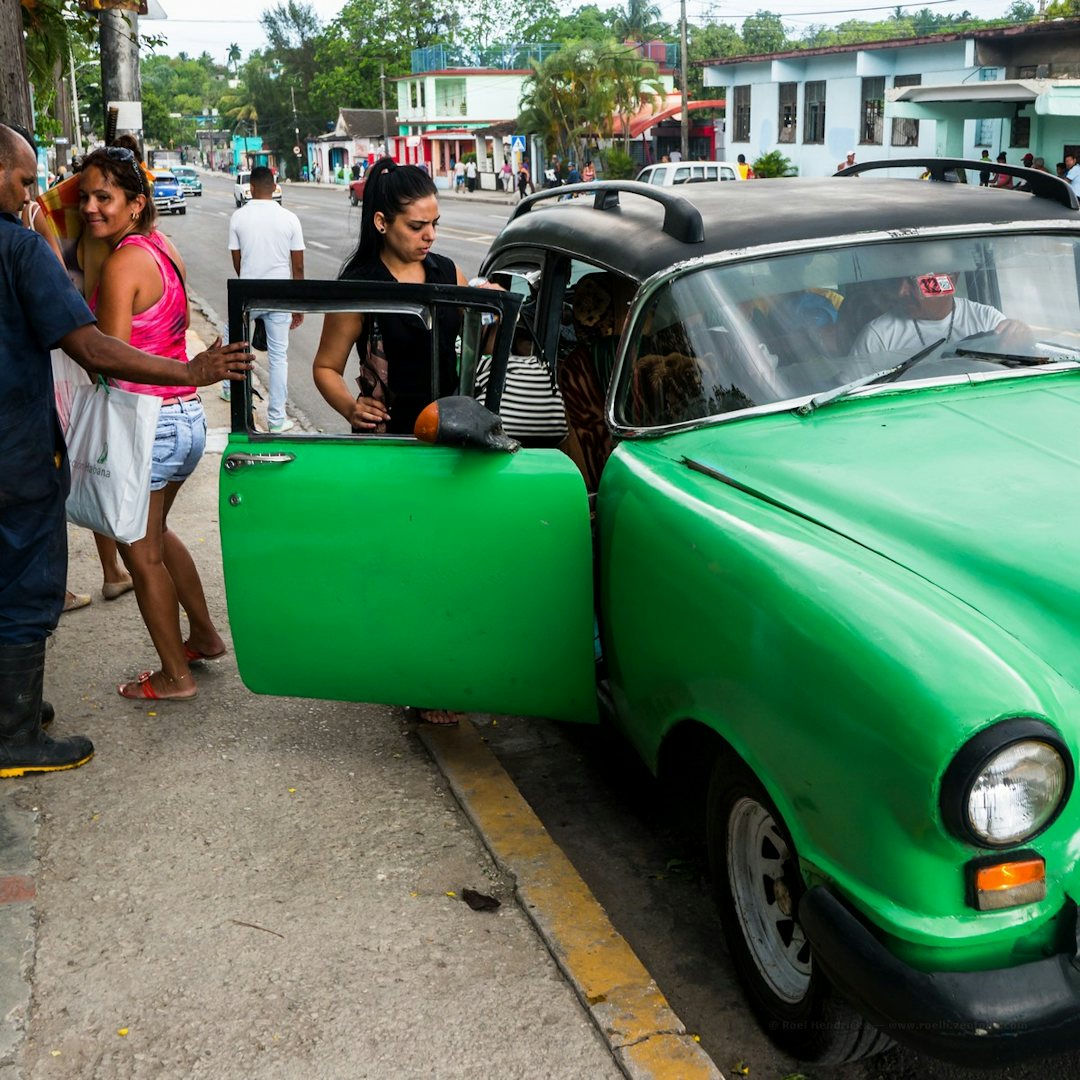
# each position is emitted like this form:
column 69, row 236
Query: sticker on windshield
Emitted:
column 936, row 285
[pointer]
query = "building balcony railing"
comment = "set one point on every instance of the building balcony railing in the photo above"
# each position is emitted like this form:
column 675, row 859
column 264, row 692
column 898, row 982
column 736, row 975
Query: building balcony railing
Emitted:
column 520, row 56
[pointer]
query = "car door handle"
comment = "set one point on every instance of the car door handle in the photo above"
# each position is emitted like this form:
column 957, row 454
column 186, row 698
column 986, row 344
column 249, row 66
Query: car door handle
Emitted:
column 234, row 461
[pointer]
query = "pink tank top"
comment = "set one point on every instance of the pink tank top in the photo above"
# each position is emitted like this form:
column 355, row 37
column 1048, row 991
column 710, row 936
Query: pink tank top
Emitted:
column 161, row 329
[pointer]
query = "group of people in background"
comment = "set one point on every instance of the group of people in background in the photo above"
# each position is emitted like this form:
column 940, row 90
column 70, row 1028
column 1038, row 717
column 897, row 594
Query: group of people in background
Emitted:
column 988, row 177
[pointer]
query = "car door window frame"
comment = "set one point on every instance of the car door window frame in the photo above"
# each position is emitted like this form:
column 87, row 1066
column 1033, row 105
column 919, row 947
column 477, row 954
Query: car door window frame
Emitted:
column 312, row 296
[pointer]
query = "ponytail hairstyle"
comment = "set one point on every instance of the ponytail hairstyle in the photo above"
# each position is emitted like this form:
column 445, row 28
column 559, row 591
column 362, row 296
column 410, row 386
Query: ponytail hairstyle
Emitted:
column 389, row 190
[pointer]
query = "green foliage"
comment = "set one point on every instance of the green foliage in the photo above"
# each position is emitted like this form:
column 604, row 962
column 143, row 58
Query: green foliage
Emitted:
column 618, row 164
column 638, row 21
column 774, row 164
column 1063, row 9
column 574, row 96
column 588, row 23
column 764, row 33
column 709, row 43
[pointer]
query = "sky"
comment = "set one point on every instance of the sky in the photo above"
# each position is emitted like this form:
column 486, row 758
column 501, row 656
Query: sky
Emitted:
column 195, row 26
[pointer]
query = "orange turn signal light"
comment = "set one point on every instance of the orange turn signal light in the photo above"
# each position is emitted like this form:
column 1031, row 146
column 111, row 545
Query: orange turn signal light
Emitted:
column 1006, row 883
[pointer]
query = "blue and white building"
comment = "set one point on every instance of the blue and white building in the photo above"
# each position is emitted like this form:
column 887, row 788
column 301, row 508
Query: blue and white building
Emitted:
column 1014, row 89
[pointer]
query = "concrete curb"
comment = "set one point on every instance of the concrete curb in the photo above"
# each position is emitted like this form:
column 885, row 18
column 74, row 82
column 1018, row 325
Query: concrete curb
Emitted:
column 18, row 925
column 647, row 1039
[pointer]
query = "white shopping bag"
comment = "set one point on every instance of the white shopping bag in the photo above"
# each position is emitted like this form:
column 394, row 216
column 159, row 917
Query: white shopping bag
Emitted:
column 67, row 378
column 110, row 445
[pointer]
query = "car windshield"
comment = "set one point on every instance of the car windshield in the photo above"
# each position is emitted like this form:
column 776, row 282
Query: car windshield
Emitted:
column 719, row 339
column 187, row 174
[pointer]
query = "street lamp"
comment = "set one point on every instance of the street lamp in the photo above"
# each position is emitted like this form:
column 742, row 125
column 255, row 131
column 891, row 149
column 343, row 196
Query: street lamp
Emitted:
column 76, row 134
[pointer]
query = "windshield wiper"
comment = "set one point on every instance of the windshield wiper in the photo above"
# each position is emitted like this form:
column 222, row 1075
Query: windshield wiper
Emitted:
column 888, row 375
column 1003, row 357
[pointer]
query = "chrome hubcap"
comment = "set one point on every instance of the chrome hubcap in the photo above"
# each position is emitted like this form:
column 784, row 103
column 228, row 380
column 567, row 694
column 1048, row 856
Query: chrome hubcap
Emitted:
column 757, row 857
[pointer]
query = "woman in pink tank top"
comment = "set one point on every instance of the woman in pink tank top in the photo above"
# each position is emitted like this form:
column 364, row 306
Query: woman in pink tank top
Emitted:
column 142, row 299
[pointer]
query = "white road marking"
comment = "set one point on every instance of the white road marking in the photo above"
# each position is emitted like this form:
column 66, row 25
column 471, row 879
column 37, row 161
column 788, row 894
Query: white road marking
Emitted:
column 462, row 234
column 315, row 243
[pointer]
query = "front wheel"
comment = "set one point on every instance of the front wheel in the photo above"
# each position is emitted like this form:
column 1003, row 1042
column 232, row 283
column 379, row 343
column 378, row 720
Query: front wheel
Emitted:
column 352, row 198
column 757, row 885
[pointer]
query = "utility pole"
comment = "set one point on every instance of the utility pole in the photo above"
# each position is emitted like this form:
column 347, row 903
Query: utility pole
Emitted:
column 120, row 82
column 296, row 130
column 382, row 91
column 684, row 132
column 76, row 128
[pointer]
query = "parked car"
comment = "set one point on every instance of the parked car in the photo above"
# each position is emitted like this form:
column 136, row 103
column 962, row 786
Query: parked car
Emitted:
column 242, row 188
column 356, row 190
column 688, row 172
column 168, row 194
column 189, row 179
column 827, row 431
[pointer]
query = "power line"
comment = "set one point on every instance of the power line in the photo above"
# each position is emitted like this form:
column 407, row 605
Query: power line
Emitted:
column 846, row 11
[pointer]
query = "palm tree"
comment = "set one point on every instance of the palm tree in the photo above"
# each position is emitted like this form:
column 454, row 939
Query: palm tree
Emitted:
column 233, row 58
column 638, row 21
column 634, row 83
column 246, row 114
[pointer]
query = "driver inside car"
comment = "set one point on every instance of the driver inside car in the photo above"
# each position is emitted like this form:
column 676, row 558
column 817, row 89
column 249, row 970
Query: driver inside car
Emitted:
column 926, row 309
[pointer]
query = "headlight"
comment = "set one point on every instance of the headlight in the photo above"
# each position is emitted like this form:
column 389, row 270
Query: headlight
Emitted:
column 1007, row 784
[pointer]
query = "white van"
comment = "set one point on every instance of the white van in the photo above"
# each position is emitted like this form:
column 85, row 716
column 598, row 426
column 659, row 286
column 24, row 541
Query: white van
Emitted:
column 242, row 188
column 688, row 172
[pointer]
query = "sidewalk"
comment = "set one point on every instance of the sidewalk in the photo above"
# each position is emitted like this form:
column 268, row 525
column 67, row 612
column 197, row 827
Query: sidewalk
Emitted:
column 254, row 887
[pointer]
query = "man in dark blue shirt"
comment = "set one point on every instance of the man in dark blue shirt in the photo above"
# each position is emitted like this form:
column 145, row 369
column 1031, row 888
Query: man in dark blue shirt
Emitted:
column 39, row 310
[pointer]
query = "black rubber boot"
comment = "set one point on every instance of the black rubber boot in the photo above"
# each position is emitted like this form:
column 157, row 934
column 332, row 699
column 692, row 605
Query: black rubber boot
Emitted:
column 24, row 747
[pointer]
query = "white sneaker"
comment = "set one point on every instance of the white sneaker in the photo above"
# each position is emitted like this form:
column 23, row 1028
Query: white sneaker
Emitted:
column 226, row 391
column 285, row 425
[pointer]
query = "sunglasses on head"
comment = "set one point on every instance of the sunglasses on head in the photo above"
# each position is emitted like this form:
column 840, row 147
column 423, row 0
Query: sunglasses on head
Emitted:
column 122, row 153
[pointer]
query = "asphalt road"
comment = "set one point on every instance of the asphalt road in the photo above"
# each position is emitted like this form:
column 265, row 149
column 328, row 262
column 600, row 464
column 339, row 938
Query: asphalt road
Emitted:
column 331, row 229
column 623, row 835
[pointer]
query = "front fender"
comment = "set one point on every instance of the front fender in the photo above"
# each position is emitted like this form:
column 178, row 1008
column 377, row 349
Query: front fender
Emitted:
column 844, row 681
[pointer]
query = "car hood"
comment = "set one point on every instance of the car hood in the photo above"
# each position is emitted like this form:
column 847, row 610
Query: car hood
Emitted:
column 971, row 487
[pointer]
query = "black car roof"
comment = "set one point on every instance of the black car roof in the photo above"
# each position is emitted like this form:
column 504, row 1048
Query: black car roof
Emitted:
column 628, row 237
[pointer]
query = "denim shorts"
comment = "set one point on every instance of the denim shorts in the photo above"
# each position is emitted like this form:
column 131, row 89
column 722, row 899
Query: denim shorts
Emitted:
column 178, row 444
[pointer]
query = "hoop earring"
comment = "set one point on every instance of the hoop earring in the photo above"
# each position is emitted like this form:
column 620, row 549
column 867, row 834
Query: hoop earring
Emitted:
column 134, row 215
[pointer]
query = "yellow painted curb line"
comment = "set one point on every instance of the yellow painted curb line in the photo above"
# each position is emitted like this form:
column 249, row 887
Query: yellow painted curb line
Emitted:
column 648, row 1040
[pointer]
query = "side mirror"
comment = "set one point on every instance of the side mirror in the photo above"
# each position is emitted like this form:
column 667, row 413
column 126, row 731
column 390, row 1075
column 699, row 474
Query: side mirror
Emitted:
column 463, row 421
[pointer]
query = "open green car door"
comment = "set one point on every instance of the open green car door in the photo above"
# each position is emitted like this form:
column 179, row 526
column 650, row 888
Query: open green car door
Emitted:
column 382, row 569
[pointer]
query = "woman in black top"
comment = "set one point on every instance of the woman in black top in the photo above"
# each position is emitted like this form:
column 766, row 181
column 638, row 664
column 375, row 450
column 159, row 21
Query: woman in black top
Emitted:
column 397, row 230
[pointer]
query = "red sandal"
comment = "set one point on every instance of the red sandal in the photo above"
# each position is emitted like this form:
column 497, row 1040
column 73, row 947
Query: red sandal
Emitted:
column 141, row 690
column 193, row 656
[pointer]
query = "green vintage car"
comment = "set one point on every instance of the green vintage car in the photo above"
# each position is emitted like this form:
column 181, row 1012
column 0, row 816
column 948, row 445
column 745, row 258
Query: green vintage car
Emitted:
column 189, row 179
column 812, row 541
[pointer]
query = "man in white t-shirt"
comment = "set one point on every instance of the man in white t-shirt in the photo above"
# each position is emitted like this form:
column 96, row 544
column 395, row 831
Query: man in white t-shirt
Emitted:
column 266, row 241
column 928, row 310
column 1072, row 172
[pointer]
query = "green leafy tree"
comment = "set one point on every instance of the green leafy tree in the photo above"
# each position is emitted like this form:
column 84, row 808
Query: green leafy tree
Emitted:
column 1063, row 9
column 586, row 23
column 709, row 43
column 763, row 33
column 233, row 58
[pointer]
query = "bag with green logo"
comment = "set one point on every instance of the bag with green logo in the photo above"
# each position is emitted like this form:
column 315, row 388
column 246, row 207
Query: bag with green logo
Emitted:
column 110, row 443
